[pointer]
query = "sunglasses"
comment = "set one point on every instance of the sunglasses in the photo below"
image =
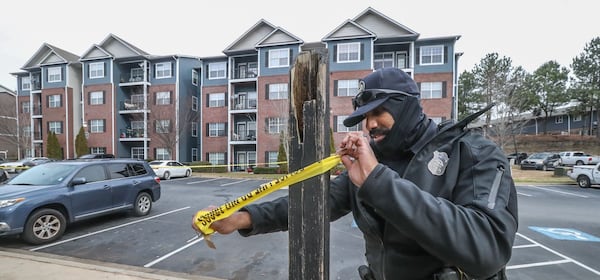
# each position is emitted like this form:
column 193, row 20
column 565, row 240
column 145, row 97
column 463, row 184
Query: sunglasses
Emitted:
column 366, row 96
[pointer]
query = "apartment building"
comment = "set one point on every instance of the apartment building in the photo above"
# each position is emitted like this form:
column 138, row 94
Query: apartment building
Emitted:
column 227, row 109
column 246, row 91
column 9, row 145
column 129, row 102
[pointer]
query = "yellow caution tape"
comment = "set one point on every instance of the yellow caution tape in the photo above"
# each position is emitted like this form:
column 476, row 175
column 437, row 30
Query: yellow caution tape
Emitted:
column 203, row 219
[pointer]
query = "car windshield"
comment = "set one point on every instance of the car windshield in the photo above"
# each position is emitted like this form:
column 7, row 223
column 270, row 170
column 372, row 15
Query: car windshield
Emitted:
column 46, row 174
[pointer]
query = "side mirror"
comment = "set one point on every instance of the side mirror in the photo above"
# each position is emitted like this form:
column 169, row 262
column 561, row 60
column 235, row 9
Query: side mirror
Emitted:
column 78, row 181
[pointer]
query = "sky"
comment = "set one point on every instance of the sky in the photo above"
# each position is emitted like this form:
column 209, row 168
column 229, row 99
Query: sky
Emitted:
column 528, row 32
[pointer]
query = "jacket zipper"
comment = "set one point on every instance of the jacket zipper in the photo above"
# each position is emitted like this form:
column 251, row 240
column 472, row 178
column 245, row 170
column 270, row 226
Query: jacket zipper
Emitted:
column 495, row 187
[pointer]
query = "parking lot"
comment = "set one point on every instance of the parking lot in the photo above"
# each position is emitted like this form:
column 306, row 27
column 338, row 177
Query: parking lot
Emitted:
column 557, row 238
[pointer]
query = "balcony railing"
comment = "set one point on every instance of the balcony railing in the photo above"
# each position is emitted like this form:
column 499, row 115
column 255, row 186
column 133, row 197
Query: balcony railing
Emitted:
column 243, row 104
column 37, row 109
column 129, row 105
column 131, row 133
column 128, row 78
column 243, row 136
column 245, row 74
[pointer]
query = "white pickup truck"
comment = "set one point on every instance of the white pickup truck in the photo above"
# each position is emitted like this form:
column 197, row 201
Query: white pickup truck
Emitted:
column 585, row 175
column 577, row 158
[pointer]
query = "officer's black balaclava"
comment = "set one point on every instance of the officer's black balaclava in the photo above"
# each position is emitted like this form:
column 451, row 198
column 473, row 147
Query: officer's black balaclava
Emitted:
column 408, row 119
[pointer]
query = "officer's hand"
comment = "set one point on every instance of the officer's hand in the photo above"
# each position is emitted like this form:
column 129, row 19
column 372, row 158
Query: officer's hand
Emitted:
column 357, row 157
column 237, row 220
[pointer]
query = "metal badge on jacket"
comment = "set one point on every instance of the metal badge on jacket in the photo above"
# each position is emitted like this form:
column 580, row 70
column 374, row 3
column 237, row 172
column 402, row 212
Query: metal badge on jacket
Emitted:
column 437, row 165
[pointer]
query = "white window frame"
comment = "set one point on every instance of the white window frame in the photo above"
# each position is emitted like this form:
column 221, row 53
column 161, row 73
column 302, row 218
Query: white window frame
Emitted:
column 558, row 119
column 216, row 129
column 272, row 158
column 163, row 97
column 432, row 90
column 216, row 99
column 55, row 126
column 194, row 129
column 54, row 101
column 97, row 150
column 279, row 58
column 577, row 118
column 163, row 126
column 54, row 74
column 162, row 70
column 276, row 125
column 25, row 107
column 194, row 77
column 137, row 152
column 346, row 52
column 342, row 128
column 194, row 154
column 96, row 98
column 278, row 91
column 194, row 103
column 97, row 126
column 216, row 158
column 96, row 70
column 217, row 70
column 26, row 83
column 163, row 154
column 347, row 87
column 433, row 54
column 385, row 59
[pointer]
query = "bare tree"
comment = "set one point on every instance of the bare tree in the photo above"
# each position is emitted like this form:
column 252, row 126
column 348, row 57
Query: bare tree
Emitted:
column 162, row 121
column 15, row 128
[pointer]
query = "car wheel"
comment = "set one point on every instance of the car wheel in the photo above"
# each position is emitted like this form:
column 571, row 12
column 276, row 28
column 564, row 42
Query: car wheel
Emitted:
column 188, row 173
column 44, row 226
column 142, row 205
column 544, row 167
column 579, row 162
column 583, row 181
column 167, row 175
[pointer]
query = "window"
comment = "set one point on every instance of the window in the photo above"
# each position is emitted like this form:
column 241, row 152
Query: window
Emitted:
column 252, row 99
column 137, row 74
column 430, row 90
column 137, row 152
column 348, row 52
column 96, row 98
column 96, row 126
column 162, row 154
column 54, row 74
column 278, row 91
column 54, row 101
column 163, row 70
column 194, row 103
column 342, row 128
column 216, row 129
column 272, row 159
column 216, row 158
column 276, row 125
column 26, row 83
column 194, row 129
column 27, row 131
column 347, row 87
column 118, row 170
column 216, row 100
column 558, row 119
column 402, row 60
column 96, row 70
column 137, row 125
column 194, row 77
column 577, row 118
column 163, row 98
column 432, row 55
column 381, row 60
column 279, row 58
column 163, row 126
column 25, row 107
column 194, row 154
column 92, row 173
column 437, row 120
column 137, row 168
column 55, row 127
column 97, row 150
column 217, row 70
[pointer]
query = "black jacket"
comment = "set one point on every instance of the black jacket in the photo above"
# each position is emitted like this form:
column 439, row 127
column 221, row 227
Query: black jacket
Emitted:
column 454, row 205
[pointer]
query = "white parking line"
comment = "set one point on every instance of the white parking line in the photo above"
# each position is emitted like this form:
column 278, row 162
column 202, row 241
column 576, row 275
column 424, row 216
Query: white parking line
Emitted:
column 150, row 264
column 566, row 259
column 561, row 192
column 523, row 194
column 232, row 183
column 106, row 229
column 207, row 180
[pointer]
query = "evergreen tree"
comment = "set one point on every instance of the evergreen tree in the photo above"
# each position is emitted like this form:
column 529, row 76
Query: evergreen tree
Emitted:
column 81, row 147
column 53, row 147
column 586, row 68
column 282, row 157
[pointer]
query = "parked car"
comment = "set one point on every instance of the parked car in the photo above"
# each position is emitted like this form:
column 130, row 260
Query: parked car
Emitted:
column 518, row 157
column 577, row 158
column 91, row 156
column 38, row 161
column 540, row 161
column 166, row 169
column 585, row 175
column 20, row 165
column 41, row 202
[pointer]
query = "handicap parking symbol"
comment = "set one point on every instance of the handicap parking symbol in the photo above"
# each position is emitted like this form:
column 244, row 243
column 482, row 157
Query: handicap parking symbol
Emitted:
column 566, row 234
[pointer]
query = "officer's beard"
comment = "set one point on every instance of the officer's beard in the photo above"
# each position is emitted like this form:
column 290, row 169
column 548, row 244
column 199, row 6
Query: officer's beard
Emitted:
column 408, row 119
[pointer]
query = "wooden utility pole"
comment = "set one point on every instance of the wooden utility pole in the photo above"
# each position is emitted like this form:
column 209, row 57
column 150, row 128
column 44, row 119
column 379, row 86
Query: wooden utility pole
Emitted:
column 309, row 132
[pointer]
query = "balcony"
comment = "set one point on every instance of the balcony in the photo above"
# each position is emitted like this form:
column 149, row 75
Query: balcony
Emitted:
column 131, row 106
column 36, row 111
column 245, row 73
column 243, row 136
column 132, row 134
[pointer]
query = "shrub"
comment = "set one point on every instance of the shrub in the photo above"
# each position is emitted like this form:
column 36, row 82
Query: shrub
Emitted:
column 207, row 167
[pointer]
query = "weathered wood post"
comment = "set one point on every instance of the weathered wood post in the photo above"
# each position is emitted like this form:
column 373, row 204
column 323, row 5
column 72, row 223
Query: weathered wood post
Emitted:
column 309, row 133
